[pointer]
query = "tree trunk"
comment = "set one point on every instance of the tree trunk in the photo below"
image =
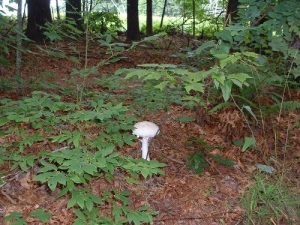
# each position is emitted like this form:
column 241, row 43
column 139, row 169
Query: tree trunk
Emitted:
column 231, row 13
column 84, row 2
column 194, row 18
column 73, row 11
column 57, row 10
column 19, row 45
column 38, row 15
column 91, row 5
column 149, row 30
column 133, row 31
column 163, row 14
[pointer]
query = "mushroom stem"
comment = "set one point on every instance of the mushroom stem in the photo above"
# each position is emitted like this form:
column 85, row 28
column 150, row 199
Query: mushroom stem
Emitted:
column 145, row 148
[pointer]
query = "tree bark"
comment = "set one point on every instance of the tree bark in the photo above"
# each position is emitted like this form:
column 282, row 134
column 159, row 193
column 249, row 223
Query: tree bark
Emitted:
column 149, row 25
column 133, row 30
column 194, row 18
column 163, row 14
column 91, row 5
column 231, row 13
column 19, row 46
column 57, row 10
column 38, row 15
column 73, row 12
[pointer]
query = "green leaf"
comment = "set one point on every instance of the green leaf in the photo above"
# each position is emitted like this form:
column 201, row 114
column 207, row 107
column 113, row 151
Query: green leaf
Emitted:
column 249, row 110
column 194, row 86
column 225, row 35
column 248, row 142
column 239, row 78
column 162, row 85
column 219, row 78
column 205, row 46
column 90, row 169
column 41, row 214
column 229, row 60
column 221, row 51
column 278, row 44
column 226, row 90
column 15, row 218
column 3, row 121
column 197, row 162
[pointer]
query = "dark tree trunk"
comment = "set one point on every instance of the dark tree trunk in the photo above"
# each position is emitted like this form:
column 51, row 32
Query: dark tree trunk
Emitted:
column 163, row 14
column 73, row 11
column 57, row 10
column 91, row 5
column 231, row 13
column 133, row 31
column 149, row 26
column 84, row 2
column 194, row 18
column 38, row 14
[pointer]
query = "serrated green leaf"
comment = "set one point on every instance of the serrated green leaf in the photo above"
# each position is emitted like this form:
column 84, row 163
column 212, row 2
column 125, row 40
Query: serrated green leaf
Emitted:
column 226, row 90
column 194, row 86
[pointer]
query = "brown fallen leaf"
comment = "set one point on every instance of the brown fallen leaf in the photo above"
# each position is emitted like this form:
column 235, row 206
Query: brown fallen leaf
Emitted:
column 25, row 181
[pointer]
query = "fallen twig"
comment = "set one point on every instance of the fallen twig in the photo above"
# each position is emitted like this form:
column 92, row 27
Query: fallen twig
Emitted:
column 8, row 197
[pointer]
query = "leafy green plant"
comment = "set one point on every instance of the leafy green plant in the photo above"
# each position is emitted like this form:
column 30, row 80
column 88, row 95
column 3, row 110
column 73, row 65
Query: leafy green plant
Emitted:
column 41, row 214
column 120, row 212
column 61, row 29
column 76, row 166
column 199, row 161
column 104, row 21
column 84, row 199
column 70, row 137
column 146, row 169
column 8, row 29
column 224, row 74
column 15, row 218
column 148, row 99
column 24, row 162
column 267, row 201
column 270, row 28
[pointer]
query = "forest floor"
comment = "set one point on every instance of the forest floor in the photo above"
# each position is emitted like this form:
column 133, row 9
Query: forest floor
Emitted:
column 180, row 196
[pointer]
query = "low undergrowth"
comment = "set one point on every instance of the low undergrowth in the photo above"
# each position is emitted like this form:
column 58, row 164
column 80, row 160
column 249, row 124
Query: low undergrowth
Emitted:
column 269, row 201
column 86, row 137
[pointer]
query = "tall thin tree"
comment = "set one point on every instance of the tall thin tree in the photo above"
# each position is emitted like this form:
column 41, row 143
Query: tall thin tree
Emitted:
column 57, row 10
column 19, row 46
column 163, row 14
column 133, row 30
column 194, row 18
column 149, row 25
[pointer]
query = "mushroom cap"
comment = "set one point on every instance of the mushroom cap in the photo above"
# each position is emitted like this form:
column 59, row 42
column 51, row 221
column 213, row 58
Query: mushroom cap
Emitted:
column 145, row 129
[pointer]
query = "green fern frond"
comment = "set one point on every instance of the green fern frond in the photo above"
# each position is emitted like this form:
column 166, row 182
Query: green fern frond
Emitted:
column 286, row 106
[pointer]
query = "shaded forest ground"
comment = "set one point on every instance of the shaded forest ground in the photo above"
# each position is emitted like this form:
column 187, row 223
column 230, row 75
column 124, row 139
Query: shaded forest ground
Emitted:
column 179, row 196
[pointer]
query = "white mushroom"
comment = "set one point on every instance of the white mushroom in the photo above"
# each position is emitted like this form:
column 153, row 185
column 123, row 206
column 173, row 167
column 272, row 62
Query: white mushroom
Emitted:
column 146, row 130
